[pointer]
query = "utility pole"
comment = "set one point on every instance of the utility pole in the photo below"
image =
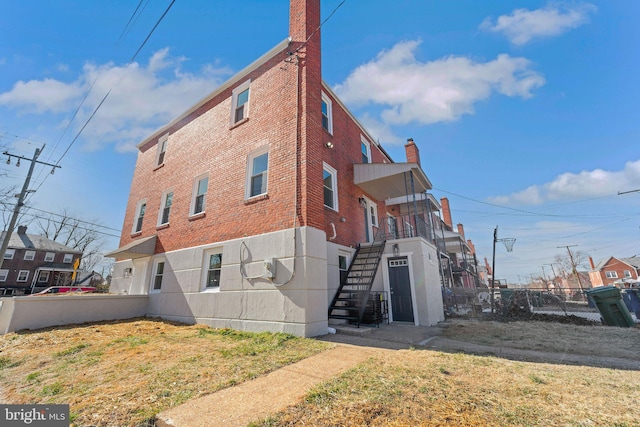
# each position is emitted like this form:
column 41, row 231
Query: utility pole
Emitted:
column 573, row 265
column 21, row 196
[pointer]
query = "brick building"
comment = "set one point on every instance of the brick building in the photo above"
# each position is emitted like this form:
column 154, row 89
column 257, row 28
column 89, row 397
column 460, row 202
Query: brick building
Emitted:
column 623, row 272
column 33, row 262
column 254, row 209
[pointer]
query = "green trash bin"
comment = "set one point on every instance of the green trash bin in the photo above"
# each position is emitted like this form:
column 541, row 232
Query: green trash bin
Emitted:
column 614, row 312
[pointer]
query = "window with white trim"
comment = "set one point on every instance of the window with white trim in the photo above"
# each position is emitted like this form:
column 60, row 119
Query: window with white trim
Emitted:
column 162, row 149
column 198, row 199
column 365, row 148
column 3, row 275
column 49, row 257
column 158, row 274
column 23, row 275
column 240, row 103
column 9, row 254
column 68, row 258
column 373, row 212
column 165, row 207
column 141, row 208
column 327, row 114
column 611, row 274
column 29, row 255
column 330, row 179
column 257, row 173
column 214, row 269
column 627, row 274
column 343, row 266
column 43, row 277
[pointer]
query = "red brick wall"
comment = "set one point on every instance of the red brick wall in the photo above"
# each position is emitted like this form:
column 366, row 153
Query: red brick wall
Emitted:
column 619, row 267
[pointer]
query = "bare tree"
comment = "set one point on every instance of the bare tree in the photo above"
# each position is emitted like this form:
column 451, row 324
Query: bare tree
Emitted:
column 565, row 264
column 76, row 233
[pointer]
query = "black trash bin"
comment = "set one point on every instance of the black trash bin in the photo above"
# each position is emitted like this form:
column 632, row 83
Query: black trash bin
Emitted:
column 614, row 312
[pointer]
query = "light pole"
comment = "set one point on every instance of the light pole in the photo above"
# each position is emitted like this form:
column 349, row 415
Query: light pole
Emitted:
column 508, row 243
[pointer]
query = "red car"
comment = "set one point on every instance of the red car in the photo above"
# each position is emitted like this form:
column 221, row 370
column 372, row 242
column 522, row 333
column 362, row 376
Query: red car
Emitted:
column 64, row 289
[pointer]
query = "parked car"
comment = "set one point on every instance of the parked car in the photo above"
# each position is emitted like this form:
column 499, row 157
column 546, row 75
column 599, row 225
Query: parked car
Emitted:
column 65, row 289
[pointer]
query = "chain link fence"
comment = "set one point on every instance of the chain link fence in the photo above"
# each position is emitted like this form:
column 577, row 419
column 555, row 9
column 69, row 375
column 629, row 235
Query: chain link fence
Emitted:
column 521, row 304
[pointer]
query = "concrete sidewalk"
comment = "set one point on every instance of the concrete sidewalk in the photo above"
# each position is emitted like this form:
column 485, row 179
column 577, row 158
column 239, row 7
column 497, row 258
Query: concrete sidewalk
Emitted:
column 256, row 399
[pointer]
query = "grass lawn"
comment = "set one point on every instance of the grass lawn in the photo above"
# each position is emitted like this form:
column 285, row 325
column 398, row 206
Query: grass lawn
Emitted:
column 123, row 373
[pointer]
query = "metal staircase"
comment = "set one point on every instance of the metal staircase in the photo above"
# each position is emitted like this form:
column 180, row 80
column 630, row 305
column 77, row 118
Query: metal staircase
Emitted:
column 352, row 296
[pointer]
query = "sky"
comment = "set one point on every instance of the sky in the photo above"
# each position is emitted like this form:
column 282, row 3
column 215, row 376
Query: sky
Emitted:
column 526, row 113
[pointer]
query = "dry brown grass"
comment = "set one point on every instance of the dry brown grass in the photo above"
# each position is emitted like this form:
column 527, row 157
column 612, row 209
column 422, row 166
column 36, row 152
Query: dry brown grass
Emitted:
column 123, row 373
column 601, row 341
column 427, row 388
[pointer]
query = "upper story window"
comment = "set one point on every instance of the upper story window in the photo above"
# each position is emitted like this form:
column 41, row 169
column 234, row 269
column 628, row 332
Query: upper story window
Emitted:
column 611, row 274
column 240, row 103
column 141, row 208
column 49, row 257
column 330, row 178
column 165, row 208
column 29, row 255
column 158, row 273
column 627, row 274
column 200, row 186
column 68, row 258
column 162, row 149
column 327, row 116
column 9, row 254
column 257, row 173
column 3, row 275
column 365, row 147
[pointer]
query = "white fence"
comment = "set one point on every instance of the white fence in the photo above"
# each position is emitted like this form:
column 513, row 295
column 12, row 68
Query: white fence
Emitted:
column 35, row 312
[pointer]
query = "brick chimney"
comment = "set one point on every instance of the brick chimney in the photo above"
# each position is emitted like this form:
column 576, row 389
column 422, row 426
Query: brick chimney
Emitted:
column 22, row 229
column 593, row 266
column 461, row 230
column 413, row 154
column 446, row 213
column 471, row 246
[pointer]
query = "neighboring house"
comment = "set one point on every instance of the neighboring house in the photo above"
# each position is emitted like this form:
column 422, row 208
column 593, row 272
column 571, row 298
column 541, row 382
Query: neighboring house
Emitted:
column 615, row 271
column 32, row 263
column 268, row 207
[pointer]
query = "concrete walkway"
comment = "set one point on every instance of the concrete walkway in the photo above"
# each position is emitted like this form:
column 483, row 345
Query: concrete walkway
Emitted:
column 257, row 399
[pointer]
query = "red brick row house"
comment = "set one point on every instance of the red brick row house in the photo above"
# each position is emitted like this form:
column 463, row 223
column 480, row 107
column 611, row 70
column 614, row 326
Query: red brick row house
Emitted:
column 268, row 206
column 622, row 272
column 33, row 262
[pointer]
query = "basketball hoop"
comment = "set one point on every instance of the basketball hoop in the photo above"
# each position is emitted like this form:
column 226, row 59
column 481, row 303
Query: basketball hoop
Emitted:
column 508, row 243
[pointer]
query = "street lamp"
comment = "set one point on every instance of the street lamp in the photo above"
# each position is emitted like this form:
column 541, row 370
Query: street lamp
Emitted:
column 508, row 243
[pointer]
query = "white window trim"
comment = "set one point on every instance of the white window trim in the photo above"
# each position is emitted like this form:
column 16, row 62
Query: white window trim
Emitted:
column 374, row 219
column 26, row 278
column 32, row 253
column 627, row 274
column 367, row 144
column 49, row 257
column 154, row 271
column 163, row 202
column 347, row 257
column 9, row 254
column 68, row 257
column 205, row 270
column 42, row 274
column 234, row 102
column 137, row 216
column 327, row 100
column 250, row 157
column 164, row 139
column 611, row 274
column 194, row 195
column 3, row 275
column 334, row 175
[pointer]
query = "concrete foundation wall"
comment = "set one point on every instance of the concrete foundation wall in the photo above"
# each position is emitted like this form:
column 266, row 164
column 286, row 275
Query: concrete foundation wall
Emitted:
column 295, row 301
column 35, row 312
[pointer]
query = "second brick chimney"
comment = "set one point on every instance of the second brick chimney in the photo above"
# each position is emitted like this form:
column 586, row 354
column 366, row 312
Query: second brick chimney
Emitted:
column 413, row 154
column 446, row 213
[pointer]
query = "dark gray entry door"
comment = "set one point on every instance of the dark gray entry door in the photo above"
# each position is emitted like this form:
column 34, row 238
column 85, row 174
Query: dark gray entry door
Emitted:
column 400, row 287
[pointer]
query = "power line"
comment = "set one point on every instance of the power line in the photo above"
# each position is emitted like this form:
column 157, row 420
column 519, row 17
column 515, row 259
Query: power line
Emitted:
column 126, row 27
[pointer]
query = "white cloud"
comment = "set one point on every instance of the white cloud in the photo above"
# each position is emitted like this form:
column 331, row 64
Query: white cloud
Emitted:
column 572, row 186
column 142, row 98
column 436, row 91
column 523, row 25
